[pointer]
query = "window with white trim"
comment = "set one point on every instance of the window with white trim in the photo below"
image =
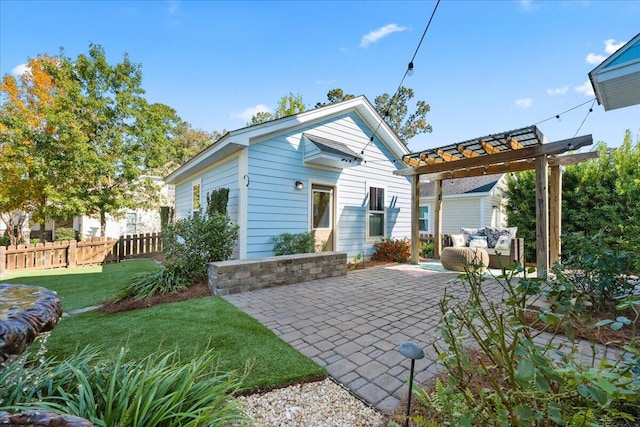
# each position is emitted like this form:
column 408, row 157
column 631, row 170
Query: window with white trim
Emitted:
column 423, row 218
column 376, row 215
column 132, row 223
column 196, row 201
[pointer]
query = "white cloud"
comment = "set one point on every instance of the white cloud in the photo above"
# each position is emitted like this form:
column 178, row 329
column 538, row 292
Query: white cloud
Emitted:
column 528, row 5
column 381, row 32
column 344, row 49
column 558, row 91
column 594, row 59
column 610, row 46
column 19, row 70
column 250, row 112
column 524, row 102
column 586, row 89
column 325, row 82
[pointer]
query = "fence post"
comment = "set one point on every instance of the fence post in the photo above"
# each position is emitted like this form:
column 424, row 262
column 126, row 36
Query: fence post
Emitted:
column 2, row 259
column 72, row 254
column 120, row 248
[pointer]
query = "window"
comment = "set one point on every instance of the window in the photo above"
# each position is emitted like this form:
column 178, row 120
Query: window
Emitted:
column 423, row 218
column 132, row 223
column 195, row 201
column 376, row 216
column 321, row 209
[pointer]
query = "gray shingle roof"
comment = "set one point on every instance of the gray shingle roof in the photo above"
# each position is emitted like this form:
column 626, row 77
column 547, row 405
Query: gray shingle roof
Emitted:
column 476, row 184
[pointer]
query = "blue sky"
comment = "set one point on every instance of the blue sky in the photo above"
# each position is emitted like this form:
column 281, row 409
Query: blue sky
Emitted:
column 484, row 66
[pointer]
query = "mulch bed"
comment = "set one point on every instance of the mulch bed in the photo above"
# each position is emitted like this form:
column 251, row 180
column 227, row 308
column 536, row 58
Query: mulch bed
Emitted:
column 602, row 334
column 199, row 290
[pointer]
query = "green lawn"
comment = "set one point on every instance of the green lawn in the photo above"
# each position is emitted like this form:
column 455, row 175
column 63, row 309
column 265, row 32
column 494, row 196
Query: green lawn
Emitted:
column 188, row 326
column 83, row 286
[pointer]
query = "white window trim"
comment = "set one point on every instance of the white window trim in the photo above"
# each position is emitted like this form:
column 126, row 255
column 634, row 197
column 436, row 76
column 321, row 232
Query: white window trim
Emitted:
column 428, row 218
column 368, row 237
column 194, row 183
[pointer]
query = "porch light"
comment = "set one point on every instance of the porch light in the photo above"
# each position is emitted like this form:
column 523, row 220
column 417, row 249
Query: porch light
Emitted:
column 299, row 185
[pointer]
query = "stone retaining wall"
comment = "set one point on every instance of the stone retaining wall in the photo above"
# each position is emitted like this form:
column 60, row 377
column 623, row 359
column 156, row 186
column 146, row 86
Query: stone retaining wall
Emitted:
column 234, row 276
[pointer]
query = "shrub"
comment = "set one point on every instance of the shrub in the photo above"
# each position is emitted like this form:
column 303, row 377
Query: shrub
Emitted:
column 145, row 285
column 519, row 376
column 5, row 240
column 288, row 243
column 192, row 243
column 111, row 391
column 396, row 250
column 189, row 245
column 591, row 275
column 426, row 250
column 64, row 234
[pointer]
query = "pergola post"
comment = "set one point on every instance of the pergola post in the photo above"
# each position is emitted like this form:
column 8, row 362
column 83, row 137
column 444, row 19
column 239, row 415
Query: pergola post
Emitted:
column 555, row 208
column 437, row 221
column 415, row 219
column 542, row 217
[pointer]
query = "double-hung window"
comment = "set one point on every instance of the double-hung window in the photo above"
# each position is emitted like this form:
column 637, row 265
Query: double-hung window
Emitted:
column 376, row 217
column 132, row 223
column 423, row 218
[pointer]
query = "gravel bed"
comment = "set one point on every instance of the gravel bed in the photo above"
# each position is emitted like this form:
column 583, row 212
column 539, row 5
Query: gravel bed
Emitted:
column 316, row 404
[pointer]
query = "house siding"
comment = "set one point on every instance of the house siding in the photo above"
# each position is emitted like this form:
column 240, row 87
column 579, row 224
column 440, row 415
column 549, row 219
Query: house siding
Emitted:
column 274, row 205
column 222, row 175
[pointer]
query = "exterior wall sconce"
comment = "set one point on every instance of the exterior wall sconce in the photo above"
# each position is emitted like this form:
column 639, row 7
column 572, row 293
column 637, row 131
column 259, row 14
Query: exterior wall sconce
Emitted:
column 299, row 185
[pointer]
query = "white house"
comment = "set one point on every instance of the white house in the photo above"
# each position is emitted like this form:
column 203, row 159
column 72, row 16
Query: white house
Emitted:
column 128, row 221
column 328, row 171
column 466, row 202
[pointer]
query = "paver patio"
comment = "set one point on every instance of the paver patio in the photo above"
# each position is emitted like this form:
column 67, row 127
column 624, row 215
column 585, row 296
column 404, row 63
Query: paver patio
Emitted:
column 354, row 324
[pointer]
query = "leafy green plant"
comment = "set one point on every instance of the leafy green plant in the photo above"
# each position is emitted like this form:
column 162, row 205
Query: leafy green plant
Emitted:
column 111, row 391
column 396, row 250
column 65, row 234
column 145, row 285
column 5, row 240
column 426, row 250
column 501, row 372
column 217, row 201
column 288, row 243
column 592, row 276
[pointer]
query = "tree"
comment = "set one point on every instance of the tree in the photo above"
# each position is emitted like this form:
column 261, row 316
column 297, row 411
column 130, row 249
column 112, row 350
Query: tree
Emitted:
column 186, row 143
column 394, row 110
column 598, row 196
column 334, row 96
column 129, row 139
column 41, row 151
column 287, row 105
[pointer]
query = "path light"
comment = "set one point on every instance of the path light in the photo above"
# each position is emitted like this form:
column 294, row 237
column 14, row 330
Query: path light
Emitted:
column 412, row 351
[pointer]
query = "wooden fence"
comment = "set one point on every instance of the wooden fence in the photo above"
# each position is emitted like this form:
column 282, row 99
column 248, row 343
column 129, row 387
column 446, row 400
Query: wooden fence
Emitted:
column 97, row 250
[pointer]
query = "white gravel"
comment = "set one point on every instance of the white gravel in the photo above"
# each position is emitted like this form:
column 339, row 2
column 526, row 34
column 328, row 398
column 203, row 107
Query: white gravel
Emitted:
column 316, row 404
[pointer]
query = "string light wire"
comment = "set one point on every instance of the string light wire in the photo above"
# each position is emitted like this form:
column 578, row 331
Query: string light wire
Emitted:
column 408, row 71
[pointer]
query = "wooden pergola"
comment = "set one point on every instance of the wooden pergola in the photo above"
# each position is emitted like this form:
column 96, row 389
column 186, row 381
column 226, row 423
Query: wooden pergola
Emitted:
column 513, row 151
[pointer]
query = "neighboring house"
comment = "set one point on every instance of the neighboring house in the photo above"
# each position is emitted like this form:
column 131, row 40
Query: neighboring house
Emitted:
column 466, row 202
column 130, row 221
column 616, row 81
column 328, row 171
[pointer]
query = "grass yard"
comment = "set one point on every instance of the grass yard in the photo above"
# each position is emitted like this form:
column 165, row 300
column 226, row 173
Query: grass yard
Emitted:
column 187, row 326
column 82, row 286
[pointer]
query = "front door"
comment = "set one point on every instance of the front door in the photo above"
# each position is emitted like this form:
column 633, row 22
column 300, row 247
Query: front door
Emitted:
column 322, row 217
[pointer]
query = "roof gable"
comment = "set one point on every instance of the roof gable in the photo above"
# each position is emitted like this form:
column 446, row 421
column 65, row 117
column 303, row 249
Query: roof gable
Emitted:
column 239, row 139
column 616, row 81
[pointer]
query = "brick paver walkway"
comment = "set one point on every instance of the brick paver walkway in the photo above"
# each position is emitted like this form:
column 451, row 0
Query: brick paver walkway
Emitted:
column 354, row 324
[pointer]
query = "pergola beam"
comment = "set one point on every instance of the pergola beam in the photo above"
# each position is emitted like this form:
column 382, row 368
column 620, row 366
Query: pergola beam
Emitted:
column 519, row 166
column 501, row 157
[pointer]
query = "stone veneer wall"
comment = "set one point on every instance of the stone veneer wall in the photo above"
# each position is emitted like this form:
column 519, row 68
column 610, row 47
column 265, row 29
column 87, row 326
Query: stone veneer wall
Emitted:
column 234, row 276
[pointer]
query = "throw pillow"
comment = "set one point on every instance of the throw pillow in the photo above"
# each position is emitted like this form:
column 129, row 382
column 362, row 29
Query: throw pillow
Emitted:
column 478, row 241
column 468, row 232
column 494, row 233
column 458, row 240
column 503, row 244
